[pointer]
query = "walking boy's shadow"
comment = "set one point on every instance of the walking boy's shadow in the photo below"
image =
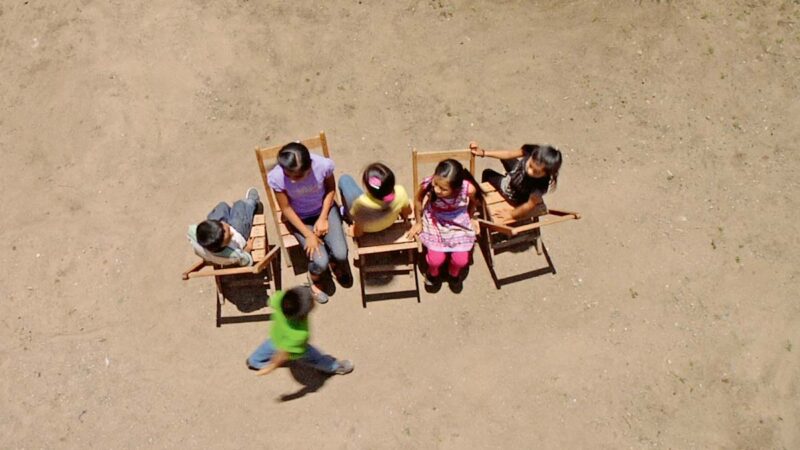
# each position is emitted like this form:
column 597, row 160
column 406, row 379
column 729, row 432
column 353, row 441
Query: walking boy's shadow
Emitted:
column 310, row 378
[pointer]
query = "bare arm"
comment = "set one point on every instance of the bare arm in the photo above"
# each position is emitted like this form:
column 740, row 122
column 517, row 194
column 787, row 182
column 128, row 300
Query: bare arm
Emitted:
column 525, row 209
column 497, row 154
column 418, row 199
column 312, row 241
column 278, row 359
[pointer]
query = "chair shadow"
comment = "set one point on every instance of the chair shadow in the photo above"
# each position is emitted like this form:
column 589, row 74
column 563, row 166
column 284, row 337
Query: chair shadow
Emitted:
column 523, row 247
column 310, row 379
column 248, row 293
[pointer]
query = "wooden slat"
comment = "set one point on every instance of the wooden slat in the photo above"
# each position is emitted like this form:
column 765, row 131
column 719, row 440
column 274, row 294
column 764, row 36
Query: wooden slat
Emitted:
column 259, row 219
column 493, row 197
column 258, row 253
column 258, row 231
column 436, row 156
column 487, row 187
column 410, row 245
column 388, row 268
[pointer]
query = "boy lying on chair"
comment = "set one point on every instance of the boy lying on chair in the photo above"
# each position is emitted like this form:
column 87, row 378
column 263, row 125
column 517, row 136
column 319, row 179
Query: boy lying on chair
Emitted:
column 224, row 237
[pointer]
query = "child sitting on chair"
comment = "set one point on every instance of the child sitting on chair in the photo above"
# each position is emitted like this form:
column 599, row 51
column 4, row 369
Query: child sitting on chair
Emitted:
column 224, row 237
column 377, row 208
column 304, row 188
column 288, row 337
column 530, row 172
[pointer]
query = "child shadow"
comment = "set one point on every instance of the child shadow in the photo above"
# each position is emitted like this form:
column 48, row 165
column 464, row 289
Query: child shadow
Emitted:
column 310, row 379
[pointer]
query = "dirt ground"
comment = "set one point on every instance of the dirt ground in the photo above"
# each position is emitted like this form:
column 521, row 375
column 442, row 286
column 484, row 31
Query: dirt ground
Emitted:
column 673, row 320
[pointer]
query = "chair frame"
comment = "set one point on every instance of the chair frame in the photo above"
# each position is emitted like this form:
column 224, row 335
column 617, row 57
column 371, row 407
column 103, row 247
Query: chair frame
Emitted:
column 497, row 237
column 286, row 239
column 379, row 244
column 264, row 258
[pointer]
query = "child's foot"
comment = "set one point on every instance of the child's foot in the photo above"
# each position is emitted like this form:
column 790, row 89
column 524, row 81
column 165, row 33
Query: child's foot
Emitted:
column 319, row 295
column 344, row 367
column 249, row 366
column 343, row 276
column 456, row 284
column 252, row 194
column 432, row 283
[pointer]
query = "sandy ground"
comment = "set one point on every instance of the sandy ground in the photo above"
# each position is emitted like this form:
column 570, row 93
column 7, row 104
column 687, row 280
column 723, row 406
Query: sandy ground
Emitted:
column 673, row 321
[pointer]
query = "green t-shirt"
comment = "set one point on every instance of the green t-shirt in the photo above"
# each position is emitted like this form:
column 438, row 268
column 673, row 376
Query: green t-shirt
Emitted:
column 287, row 334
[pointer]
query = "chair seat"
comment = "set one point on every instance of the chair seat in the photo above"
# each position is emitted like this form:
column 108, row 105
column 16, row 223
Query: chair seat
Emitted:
column 389, row 240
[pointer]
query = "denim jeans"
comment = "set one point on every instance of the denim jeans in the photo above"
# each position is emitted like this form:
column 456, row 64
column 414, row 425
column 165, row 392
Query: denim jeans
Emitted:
column 350, row 191
column 334, row 245
column 312, row 357
column 240, row 216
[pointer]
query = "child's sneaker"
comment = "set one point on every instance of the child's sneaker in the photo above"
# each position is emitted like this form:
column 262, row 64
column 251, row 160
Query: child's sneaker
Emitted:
column 252, row 194
column 344, row 367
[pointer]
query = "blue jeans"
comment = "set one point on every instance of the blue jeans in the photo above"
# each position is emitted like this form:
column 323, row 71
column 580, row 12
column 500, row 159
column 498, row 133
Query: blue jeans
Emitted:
column 350, row 191
column 240, row 216
column 334, row 245
column 312, row 357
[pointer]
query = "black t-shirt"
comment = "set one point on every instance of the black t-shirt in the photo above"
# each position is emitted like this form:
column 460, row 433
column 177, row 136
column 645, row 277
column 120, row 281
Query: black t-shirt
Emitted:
column 520, row 186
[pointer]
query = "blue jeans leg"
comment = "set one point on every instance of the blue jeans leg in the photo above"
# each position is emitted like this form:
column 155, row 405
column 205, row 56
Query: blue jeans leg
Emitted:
column 318, row 263
column 220, row 212
column 318, row 360
column 242, row 216
column 334, row 240
column 350, row 191
column 262, row 355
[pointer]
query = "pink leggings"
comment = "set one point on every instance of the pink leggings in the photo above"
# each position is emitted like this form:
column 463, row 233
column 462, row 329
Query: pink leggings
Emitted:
column 458, row 260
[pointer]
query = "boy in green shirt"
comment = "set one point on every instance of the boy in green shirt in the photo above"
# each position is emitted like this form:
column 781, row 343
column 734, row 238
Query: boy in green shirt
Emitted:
column 288, row 338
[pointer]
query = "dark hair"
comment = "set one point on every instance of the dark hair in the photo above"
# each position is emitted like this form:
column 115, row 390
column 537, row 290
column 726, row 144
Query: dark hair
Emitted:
column 384, row 177
column 297, row 302
column 549, row 157
column 210, row 234
column 454, row 173
column 294, row 157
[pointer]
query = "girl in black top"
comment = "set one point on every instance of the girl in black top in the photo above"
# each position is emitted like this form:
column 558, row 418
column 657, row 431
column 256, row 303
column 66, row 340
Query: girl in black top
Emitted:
column 530, row 172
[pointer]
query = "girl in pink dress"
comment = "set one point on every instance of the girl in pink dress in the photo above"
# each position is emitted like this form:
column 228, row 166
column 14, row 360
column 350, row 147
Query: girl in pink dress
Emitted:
column 444, row 225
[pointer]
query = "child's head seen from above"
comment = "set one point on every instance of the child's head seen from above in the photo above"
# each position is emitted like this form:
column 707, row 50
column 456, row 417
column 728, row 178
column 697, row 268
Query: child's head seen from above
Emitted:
column 544, row 161
column 448, row 177
column 213, row 235
column 297, row 302
column 379, row 182
column 295, row 160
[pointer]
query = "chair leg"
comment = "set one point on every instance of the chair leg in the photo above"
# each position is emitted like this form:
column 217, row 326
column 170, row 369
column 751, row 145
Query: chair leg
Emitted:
column 414, row 260
column 363, row 282
column 277, row 282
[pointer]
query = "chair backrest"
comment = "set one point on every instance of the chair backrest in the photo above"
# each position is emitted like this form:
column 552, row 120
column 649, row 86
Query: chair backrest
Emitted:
column 464, row 156
column 266, row 161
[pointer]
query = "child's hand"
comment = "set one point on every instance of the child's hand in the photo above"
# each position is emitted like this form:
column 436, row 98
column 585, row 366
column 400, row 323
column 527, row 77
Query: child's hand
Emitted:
column 312, row 245
column 503, row 216
column 414, row 231
column 475, row 150
column 321, row 227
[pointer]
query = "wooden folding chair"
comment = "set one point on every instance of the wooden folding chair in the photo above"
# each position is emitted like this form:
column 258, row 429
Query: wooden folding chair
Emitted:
column 498, row 236
column 265, row 271
column 266, row 160
column 387, row 252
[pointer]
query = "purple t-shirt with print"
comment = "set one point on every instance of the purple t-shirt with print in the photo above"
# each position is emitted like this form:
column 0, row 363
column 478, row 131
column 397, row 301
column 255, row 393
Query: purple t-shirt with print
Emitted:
column 305, row 195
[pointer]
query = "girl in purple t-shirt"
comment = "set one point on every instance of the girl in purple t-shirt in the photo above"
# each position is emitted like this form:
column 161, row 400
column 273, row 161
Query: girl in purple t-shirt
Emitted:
column 304, row 186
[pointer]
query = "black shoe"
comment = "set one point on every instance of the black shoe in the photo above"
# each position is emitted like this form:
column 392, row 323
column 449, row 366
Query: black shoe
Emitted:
column 344, row 277
column 432, row 284
column 247, row 363
column 456, row 284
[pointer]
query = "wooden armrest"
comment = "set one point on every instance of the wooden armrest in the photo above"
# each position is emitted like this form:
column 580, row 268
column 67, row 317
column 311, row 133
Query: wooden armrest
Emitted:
column 195, row 267
column 496, row 227
column 532, row 226
column 259, row 266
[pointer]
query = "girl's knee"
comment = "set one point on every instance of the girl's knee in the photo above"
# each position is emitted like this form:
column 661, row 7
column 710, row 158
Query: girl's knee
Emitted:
column 435, row 259
column 459, row 259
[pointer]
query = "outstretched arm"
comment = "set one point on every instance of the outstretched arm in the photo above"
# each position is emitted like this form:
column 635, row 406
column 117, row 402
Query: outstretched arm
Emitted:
column 498, row 154
column 278, row 359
